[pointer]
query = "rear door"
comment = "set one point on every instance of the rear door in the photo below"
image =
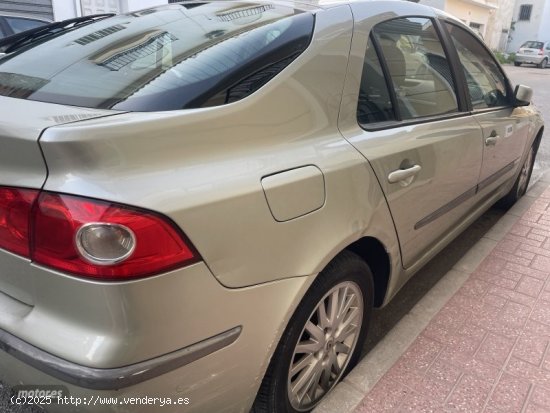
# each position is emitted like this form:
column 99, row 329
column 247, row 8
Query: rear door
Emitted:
column 410, row 122
column 505, row 128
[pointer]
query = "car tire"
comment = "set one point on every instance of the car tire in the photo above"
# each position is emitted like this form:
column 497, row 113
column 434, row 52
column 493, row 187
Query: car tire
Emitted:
column 542, row 65
column 320, row 354
column 517, row 63
column 522, row 182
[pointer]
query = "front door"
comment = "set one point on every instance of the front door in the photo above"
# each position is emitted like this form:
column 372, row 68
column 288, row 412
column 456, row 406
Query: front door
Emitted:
column 505, row 129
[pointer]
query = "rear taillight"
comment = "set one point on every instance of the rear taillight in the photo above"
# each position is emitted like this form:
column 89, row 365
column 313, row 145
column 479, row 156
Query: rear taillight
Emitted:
column 15, row 212
column 88, row 237
column 541, row 52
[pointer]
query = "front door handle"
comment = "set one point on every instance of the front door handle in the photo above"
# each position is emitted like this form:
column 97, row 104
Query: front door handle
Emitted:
column 403, row 174
column 492, row 139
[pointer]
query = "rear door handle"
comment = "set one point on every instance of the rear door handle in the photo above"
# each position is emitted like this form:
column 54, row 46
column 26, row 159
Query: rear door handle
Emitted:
column 403, row 174
column 491, row 140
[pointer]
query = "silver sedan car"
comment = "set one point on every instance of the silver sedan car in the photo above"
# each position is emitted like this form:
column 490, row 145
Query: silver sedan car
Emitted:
column 201, row 203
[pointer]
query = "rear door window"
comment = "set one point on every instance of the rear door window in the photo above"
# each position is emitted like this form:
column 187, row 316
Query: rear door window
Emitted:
column 418, row 67
column 532, row 45
column 375, row 104
column 185, row 55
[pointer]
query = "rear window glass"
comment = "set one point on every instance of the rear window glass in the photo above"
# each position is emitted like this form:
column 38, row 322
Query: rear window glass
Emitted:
column 19, row 25
column 533, row 45
column 178, row 56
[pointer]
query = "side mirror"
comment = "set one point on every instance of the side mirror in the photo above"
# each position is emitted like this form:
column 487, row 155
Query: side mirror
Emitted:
column 523, row 95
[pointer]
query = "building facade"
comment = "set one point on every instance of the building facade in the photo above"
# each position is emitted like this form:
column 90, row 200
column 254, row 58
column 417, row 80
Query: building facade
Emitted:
column 491, row 19
column 503, row 24
column 66, row 9
column 531, row 21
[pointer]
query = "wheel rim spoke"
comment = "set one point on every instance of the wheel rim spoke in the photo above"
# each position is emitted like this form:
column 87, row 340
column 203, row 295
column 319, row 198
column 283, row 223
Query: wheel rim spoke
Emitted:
column 325, row 380
column 324, row 320
column 343, row 298
column 346, row 304
column 313, row 383
column 302, row 364
column 333, row 364
column 302, row 383
column 343, row 348
column 351, row 316
column 308, row 347
column 315, row 331
column 524, row 174
column 333, row 307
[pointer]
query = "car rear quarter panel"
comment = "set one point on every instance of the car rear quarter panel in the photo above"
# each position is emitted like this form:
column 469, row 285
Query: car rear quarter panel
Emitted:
column 203, row 168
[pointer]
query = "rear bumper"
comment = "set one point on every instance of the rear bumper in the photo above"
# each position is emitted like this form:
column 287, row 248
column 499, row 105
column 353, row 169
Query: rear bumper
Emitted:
column 181, row 334
column 524, row 58
column 116, row 378
column 211, row 384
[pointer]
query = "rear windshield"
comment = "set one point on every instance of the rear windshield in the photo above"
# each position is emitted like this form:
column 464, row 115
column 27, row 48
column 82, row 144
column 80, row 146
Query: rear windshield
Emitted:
column 178, row 56
column 533, row 45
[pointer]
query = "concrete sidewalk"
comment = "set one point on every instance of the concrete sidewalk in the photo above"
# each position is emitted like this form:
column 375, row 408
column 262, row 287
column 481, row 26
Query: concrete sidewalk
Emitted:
column 479, row 340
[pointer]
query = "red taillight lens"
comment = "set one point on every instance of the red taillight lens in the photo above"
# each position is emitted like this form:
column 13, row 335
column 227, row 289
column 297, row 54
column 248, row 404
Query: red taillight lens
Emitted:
column 58, row 223
column 15, row 212
column 88, row 237
column 541, row 52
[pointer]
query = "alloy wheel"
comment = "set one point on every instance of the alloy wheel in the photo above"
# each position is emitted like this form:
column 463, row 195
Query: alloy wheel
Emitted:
column 325, row 346
column 525, row 172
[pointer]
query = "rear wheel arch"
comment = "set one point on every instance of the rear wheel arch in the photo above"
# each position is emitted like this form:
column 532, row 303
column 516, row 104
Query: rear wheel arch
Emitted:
column 345, row 267
column 538, row 137
column 375, row 254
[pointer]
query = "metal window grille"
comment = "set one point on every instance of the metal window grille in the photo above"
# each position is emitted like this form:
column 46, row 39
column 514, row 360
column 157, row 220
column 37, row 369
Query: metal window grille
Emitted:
column 525, row 12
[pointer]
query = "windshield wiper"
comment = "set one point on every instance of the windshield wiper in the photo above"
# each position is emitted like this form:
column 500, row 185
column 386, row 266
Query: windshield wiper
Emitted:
column 16, row 41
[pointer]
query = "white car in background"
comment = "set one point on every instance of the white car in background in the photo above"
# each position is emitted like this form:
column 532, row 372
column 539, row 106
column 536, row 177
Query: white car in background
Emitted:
column 534, row 52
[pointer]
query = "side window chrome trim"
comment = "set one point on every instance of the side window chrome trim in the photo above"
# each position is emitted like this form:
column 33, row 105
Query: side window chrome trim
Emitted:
column 373, row 127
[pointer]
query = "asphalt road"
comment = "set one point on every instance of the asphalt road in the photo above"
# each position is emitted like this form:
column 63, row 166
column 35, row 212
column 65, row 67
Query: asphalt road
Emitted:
column 384, row 319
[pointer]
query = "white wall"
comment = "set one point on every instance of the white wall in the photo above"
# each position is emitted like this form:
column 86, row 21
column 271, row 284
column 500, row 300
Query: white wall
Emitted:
column 470, row 12
column 527, row 30
column 132, row 5
column 544, row 29
column 438, row 4
column 65, row 9
column 499, row 20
